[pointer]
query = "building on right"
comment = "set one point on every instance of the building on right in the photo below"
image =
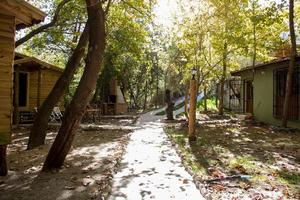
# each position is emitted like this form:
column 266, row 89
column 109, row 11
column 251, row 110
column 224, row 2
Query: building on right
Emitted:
column 263, row 91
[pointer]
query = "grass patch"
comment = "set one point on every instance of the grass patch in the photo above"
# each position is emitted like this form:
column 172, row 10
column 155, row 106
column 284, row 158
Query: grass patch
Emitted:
column 224, row 148
column 211, row 104
column 181, row 139
column 289, row 177
column 244, row 164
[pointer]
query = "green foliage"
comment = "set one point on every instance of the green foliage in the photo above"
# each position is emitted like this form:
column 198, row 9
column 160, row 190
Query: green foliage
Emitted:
column 214, row 36
column 211, row 104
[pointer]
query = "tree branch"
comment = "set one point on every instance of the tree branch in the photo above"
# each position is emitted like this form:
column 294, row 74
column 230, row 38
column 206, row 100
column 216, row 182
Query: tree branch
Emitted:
column 134, row 8
column 107, row 7
column 43, row 27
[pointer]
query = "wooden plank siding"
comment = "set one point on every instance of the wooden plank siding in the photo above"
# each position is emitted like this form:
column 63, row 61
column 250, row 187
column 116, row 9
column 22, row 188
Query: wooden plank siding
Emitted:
column 38, row 93
column 7, row 41
column 48, row 80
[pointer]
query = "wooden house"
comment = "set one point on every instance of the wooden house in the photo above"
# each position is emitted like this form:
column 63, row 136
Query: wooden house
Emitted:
column 263, row 91
column 33, row 81
column 14, row 15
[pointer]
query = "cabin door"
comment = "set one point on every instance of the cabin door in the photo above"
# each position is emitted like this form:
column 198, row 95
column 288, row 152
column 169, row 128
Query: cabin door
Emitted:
column 249, row 97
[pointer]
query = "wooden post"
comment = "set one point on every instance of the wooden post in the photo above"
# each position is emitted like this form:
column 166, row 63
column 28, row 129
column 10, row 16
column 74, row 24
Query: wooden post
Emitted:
column 16, row 96
column 39, row 86
column 192, row 111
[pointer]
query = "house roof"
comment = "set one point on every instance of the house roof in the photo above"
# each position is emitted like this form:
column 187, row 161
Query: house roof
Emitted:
column 21, row 59
column 263, row 65
column 26, row 14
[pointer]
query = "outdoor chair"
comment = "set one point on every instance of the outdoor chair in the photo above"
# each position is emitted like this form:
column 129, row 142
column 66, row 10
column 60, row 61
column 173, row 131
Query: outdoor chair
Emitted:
column 56, row 115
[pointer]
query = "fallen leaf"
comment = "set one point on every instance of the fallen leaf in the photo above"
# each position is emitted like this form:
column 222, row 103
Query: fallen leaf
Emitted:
column 244, row 185
column 185, row 181
column 241, row 169
column 218, row 187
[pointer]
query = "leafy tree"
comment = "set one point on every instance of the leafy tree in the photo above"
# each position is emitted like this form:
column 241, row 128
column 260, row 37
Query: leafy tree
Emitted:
column 74, row 113
column 289, row 81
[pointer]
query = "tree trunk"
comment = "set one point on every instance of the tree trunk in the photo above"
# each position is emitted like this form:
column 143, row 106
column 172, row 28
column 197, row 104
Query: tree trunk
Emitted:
column 3, row 164
column 289, row 80
column 38, row 131
column 170, row 105
column 75, row 112
column 254, row 35
column 205, row 99
column 146, row 95
column 186, row 101
column 217, row 96
column 221, row 96
column 192, row 111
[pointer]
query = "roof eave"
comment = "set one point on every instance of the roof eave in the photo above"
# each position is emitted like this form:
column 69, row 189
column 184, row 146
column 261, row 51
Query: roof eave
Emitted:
column 35, row 60
column 26, row 14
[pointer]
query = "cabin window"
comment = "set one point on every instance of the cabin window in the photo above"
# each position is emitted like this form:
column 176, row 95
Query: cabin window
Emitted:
column 23, row 89
column 280, row 76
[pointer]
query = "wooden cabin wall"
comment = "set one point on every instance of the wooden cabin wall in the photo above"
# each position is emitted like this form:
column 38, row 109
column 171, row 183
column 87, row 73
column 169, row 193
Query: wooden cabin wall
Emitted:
column 48, row 79
column 7, row 41
column 33, row 88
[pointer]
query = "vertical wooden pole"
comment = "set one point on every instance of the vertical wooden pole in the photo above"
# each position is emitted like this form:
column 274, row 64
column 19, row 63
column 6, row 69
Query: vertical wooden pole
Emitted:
column 192, row 111
column 16, row 96
column 38, row 102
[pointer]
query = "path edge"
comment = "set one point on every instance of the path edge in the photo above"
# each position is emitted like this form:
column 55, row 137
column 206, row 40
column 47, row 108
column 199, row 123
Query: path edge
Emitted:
column 196, row 178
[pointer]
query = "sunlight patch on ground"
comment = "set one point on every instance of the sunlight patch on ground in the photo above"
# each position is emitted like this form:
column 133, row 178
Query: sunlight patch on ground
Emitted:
column 151, row 168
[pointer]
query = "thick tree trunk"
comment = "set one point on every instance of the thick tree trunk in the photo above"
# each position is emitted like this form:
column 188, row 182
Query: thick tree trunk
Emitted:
column 3, row 164
column 186, row 101
column 38, row 131
column 74, row 113
column 221, row 96
column 170, row 105
column 293, row 55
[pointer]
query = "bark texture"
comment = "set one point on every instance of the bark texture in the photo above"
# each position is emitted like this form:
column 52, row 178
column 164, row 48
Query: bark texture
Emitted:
column 186, row 101
column 221, row 96
column 3, row 164
column 170, row 105
column 38, row 131
column 289, row 80
column 205, row 99
column 76, row 109
column 192, row 111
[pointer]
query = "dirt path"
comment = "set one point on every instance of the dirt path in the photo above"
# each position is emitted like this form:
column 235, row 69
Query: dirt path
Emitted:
column 87, row 171
column 151, row 168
